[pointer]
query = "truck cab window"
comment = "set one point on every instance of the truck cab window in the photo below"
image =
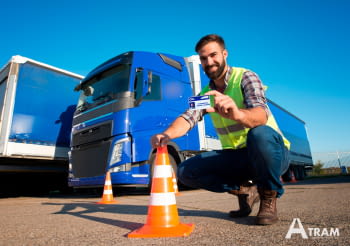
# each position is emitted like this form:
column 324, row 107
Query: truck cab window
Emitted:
column 105, row 87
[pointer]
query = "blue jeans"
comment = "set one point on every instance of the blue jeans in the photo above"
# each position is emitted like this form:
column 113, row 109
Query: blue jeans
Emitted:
column 264, row 160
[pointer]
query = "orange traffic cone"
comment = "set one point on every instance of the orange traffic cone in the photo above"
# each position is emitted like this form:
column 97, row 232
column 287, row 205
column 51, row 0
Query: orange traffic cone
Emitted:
column 281, row 179
column 163, row 218
column 107, row 197
column 293, row 179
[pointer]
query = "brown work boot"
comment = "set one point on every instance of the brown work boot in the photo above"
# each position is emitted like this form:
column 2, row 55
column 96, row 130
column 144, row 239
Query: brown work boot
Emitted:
column 247, row 197
column 267, row 214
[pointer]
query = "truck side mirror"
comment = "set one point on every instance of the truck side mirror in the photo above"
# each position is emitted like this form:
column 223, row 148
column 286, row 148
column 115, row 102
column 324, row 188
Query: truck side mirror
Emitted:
column 88, row 91
column 143, row 82
column 146, row 82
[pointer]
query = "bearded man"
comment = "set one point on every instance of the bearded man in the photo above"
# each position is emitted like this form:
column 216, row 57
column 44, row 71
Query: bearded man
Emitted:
column 254, row 152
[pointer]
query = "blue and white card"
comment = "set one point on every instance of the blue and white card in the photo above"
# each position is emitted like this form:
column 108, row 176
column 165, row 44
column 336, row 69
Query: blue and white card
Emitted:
column 199, row 102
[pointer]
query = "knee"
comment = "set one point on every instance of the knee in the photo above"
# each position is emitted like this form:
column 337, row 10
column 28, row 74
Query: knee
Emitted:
column 183, row 173
column 186, row 173
column 260, row 134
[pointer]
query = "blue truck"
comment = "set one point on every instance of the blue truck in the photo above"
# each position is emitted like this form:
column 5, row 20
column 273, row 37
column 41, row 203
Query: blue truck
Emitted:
column 132, row 96
column 37, row 103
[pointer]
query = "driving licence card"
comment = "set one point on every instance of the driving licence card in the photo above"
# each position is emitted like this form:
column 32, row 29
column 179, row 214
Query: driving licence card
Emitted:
column 199, row 102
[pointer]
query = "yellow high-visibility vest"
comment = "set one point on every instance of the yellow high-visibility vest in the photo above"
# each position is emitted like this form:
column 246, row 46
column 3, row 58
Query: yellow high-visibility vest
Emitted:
column 233, row 135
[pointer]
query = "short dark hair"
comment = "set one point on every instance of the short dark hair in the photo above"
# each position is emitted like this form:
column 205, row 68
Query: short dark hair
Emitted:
column 210, row 38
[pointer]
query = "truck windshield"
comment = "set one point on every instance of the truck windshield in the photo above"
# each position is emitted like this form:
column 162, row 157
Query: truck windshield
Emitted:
column 104, row 87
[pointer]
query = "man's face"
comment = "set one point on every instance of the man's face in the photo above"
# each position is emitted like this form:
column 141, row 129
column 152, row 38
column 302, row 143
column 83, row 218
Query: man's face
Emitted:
column 213, row 59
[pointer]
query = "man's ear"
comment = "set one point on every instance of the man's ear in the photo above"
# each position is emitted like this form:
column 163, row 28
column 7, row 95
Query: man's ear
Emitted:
column 225, row 53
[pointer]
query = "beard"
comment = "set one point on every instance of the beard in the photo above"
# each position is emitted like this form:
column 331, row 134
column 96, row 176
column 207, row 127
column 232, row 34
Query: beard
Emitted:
column 216, row 74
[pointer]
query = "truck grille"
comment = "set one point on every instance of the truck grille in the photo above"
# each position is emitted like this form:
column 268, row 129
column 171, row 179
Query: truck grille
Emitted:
column 90, row 160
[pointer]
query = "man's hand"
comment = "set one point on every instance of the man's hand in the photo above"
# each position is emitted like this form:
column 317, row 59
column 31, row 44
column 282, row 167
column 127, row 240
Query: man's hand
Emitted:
column 224, row 106
column 178, row 128
column 159, row 140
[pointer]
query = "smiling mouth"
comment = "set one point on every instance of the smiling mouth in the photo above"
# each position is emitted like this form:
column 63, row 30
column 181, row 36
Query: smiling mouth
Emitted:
column 211, row 68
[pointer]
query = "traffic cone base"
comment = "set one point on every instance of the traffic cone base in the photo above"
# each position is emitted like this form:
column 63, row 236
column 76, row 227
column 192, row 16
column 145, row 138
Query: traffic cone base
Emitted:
column 107, row 202
column 147, row 231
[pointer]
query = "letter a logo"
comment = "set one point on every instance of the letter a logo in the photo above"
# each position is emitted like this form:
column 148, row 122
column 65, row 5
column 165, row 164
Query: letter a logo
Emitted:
column 299, row 230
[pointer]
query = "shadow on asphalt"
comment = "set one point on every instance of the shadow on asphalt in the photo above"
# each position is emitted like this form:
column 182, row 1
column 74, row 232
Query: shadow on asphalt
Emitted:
column 322, row 180
column 86, row 210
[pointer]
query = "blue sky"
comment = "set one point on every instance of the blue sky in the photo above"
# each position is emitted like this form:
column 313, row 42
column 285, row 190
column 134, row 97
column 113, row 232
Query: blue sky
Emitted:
column 299, row 48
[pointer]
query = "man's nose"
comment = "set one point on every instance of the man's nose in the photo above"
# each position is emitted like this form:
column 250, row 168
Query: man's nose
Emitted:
column 210, row 61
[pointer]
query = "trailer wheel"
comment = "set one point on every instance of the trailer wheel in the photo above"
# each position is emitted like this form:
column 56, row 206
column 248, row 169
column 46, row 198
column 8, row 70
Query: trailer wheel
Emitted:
column 287, row 176
column 301, row 173
column 152, row 160
column 296, row 171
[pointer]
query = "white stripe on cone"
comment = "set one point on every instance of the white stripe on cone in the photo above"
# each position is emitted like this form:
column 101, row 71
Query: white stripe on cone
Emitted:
column 108, row 182
column 162, row 199
column 107, row 192
column 162, row 171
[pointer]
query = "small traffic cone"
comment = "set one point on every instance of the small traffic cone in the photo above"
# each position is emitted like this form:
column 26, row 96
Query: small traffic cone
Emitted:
column 293, row 179
column 107, row 197
column 176, row 188
column 281, row 179
column 163, row 218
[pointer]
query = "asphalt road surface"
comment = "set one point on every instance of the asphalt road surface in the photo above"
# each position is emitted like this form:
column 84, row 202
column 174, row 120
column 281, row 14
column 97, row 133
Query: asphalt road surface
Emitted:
column 321, row 207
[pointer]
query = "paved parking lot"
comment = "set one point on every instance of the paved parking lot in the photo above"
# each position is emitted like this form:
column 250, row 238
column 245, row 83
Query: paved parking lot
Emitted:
column 319, row 204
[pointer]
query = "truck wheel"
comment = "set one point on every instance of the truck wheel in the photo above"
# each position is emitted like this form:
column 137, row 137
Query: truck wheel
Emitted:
column 152, row 160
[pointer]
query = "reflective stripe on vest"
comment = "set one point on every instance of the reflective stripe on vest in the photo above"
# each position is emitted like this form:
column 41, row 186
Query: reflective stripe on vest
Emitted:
column 228, row 129
column 233, row 135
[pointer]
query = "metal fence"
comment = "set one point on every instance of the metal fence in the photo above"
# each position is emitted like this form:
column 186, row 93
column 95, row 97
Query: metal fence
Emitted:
column 332, row 159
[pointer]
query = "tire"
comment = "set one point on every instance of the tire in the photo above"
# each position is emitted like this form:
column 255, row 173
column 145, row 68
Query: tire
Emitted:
column 301, row 173
column 287, row 176
column 296, row 171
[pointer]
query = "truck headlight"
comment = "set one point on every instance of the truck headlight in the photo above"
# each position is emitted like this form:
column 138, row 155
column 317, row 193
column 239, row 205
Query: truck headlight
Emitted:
column 118, row 150
column 70, row 166
column 121, row 168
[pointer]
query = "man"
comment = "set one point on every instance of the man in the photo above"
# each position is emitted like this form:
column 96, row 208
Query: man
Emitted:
column 253, row 148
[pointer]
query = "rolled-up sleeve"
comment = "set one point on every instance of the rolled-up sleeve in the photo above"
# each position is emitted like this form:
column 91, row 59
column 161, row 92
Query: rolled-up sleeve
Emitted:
column 193, row 116
column 253, row 90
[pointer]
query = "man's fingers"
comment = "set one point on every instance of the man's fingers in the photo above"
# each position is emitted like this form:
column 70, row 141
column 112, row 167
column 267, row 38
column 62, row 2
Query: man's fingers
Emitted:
column 163, row 142
column 213, row 93
column 223, row 104
column 210, row 110
column 154, row 141
column 160, row 140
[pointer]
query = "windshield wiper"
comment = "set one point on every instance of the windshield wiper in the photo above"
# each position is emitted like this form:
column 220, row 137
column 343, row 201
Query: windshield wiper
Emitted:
column 103, row 98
